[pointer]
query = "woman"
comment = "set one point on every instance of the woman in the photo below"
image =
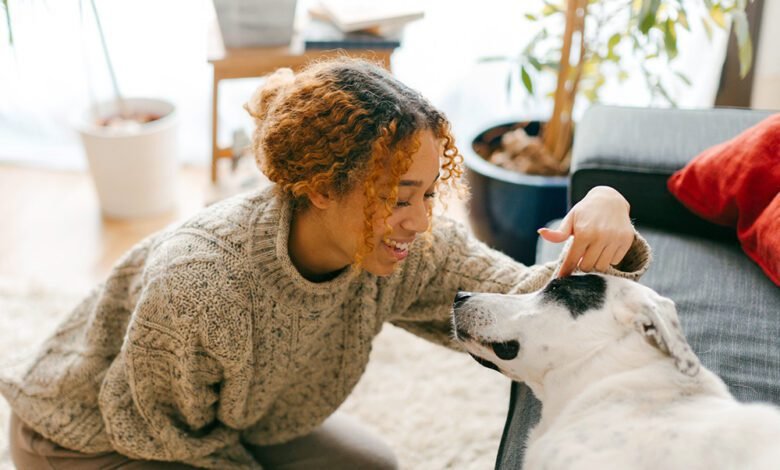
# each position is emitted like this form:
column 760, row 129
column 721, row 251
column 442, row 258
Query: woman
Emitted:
column 230, row 340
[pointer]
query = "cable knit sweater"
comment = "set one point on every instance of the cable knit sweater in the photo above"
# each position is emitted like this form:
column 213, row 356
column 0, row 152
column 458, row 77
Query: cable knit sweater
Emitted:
column 204, row 336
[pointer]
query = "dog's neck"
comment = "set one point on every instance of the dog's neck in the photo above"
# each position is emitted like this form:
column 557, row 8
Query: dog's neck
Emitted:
column 605, row 370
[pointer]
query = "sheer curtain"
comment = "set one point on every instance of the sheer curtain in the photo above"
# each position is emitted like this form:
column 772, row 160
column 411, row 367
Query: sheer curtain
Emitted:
column 56, row 69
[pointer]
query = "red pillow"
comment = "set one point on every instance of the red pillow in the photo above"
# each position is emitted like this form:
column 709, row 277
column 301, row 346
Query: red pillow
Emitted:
column 737, row 183
column 761, row 241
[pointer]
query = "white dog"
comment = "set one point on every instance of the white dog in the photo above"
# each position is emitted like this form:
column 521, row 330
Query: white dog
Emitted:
column 620, row 387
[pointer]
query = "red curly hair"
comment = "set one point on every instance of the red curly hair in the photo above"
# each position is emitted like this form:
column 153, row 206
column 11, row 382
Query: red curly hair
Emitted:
column 344, row 123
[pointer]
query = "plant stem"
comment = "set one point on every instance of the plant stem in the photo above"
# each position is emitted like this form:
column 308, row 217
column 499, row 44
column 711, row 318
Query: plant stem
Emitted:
column 557, row 135
column 8, row 22
column 119, row 100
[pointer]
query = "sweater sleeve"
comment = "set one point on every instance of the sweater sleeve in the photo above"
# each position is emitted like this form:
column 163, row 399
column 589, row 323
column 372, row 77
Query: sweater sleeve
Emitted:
column 459, row 262
column 179, row 381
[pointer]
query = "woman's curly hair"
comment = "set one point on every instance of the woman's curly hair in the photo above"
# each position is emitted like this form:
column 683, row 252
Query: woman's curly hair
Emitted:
column 341, row 123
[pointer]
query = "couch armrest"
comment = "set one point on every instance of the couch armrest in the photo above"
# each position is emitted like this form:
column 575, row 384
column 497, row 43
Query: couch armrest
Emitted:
column 635, row 150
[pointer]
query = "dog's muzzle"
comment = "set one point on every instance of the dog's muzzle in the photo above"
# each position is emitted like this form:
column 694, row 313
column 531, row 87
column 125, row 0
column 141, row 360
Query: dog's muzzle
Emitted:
column 460, row 298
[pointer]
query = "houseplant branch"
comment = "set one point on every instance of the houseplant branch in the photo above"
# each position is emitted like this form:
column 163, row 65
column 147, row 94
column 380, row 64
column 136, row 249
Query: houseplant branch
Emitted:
column 558, row 134
column 584, row 56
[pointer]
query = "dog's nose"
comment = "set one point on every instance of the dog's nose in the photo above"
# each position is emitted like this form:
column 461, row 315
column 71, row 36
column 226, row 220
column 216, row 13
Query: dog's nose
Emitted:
column 461, row 297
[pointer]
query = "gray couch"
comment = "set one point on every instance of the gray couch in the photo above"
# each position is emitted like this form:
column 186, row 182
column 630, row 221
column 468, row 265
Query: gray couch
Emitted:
column 730, row 311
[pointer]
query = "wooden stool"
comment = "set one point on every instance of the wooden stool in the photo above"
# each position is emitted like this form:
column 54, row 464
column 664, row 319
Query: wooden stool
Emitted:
column 258, row 61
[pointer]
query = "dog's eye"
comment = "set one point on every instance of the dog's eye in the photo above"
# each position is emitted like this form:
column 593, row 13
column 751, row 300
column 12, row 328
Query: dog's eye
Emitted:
column 507, row 350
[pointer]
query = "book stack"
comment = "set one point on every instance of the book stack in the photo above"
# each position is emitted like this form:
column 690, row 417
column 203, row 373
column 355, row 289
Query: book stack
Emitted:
column 358, row 24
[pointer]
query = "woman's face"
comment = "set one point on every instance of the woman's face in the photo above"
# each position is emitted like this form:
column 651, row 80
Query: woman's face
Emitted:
column 410, row 216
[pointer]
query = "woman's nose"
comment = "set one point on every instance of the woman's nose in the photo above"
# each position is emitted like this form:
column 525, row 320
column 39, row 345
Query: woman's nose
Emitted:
column 418, row 219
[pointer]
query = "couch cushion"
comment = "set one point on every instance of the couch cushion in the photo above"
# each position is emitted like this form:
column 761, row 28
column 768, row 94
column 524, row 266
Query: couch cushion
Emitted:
column 737, row 184
column 730, row 313
column 635, row 150
column 731, row 183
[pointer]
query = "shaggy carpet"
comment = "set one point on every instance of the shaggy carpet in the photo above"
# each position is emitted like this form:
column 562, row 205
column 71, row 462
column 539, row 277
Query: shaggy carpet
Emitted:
column 437, row 408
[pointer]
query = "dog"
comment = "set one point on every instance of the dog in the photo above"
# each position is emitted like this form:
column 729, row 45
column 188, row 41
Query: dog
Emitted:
column 619, row 385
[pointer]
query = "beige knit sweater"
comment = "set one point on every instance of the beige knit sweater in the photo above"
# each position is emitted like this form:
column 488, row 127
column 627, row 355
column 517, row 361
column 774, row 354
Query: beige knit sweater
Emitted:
column 204, row 336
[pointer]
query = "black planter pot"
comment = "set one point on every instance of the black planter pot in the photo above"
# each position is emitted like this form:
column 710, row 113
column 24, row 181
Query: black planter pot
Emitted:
column 507, row 207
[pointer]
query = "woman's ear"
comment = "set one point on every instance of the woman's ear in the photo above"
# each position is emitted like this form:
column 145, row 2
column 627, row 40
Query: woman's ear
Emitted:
column 319, row 199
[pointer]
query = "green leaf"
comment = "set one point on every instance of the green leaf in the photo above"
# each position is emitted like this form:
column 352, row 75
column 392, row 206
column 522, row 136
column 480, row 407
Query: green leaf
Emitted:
column 744, row 44
column 647, row 15
column 670, row 39
column 548, row 10
column 613, row 41
column 645, row 8
column 526, row 80
column 707, row 28
column 647, row 23
column 591, row 66
column 682, row 19
column 496, row 58
column 535, row 63
column 600, row 81
column 531, row 17
column 716, row 13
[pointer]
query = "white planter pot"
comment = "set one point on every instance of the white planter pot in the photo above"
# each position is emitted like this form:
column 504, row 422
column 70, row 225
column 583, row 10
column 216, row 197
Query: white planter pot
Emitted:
column 135, row 171
column 248, row 23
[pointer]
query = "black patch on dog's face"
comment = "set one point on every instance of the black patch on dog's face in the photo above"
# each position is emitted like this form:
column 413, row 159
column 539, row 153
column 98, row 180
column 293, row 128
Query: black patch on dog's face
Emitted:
column 485, row 362
column 577, row 293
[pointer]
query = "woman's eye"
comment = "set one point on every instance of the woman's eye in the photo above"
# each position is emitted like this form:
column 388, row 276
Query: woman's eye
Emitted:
column 407, row 203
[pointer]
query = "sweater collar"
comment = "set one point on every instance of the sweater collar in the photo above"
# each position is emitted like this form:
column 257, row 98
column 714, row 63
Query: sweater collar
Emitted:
column 270, row 257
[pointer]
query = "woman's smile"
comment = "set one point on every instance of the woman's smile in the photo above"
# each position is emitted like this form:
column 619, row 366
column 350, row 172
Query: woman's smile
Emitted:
column 398, row 249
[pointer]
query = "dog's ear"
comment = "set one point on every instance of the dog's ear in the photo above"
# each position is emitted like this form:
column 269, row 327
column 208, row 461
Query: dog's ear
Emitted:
column 657, row 320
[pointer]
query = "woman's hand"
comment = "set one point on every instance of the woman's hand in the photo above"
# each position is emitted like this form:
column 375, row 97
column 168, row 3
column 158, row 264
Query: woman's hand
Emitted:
column 602, row 231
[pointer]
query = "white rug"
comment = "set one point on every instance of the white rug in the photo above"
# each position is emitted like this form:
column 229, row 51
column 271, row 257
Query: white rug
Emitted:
column 437, row 408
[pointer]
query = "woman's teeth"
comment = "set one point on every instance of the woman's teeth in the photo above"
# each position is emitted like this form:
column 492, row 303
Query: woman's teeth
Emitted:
column 398, row 246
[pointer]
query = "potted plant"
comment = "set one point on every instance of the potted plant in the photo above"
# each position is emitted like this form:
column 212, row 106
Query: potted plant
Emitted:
column 130, row 145
column 517, row 170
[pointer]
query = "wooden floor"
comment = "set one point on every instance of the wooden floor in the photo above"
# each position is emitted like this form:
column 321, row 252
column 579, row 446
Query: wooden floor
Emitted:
column 52, row 231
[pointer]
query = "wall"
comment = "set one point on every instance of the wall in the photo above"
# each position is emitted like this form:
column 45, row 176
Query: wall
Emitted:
column 766, row 83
